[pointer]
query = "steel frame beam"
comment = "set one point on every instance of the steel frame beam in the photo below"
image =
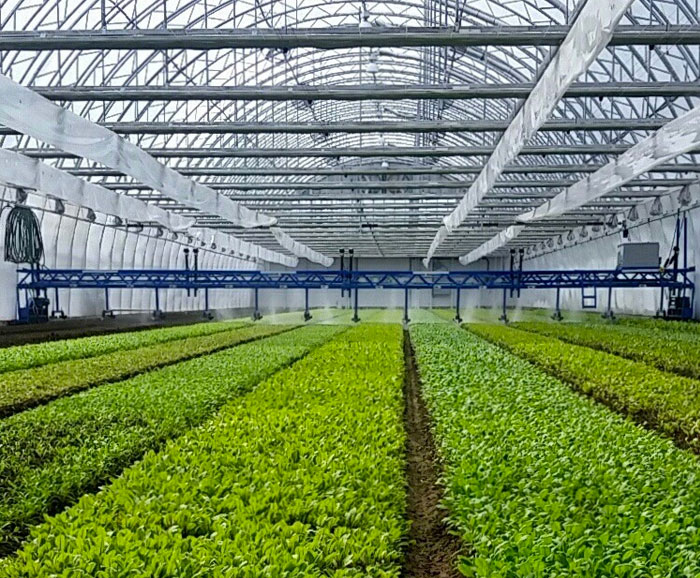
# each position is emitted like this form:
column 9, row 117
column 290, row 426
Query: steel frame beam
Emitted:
column 350, row 37
column 408, row 170
column 361, row 152
column 394, row 185
column 187, row 279
column 272, row 200
column 361, row 92
column 364, row 127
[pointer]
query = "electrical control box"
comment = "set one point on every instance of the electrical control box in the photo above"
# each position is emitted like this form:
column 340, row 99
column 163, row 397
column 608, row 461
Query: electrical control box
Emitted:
column 638, row 255
column 36, row 311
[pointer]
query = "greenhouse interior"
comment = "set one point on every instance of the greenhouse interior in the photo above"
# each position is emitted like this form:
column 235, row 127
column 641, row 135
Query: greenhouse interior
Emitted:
column 321, row 288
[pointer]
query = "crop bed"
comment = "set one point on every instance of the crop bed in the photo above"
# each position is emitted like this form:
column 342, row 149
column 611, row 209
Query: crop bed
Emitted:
column 265, row 450
column 51, row 455
column 544, row 482
column 664, row 401
column 675, row 351
column 29, row 387
column 302, row 477
column 34, row 355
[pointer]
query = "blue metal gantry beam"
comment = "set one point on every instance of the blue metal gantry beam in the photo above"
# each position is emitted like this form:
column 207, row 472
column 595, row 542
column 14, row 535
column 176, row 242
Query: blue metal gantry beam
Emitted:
column 513, row 281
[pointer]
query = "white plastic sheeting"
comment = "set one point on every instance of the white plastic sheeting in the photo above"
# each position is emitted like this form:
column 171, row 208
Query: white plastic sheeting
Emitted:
column 19, row 171
column 600, row 252
column 589, row 34
column 227, row 243
column 675, row 138
column 26, row 111
column 72, row 241
column 500, row 240
column 669, row 202
column 300, row 250
column 440, row 236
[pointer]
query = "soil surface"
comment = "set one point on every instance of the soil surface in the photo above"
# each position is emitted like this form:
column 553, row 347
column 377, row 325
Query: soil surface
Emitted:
column 432, row 551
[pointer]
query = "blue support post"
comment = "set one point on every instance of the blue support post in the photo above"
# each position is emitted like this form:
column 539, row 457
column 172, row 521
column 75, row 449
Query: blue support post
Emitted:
column 356, row 317
column 107, row 310
column 405, row 307
column 57, row 311
column 504, row 316
column 19, row 305
column 458, row 318
column 557, row 311
column 307, row 313
column 206, row 313
column 257, row 316
column 157, row 314
column 609, row 312
column 692, row 302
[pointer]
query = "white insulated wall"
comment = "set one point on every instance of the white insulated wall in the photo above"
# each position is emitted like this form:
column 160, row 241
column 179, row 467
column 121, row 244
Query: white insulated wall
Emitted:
column 601, row 253
column 72, row 242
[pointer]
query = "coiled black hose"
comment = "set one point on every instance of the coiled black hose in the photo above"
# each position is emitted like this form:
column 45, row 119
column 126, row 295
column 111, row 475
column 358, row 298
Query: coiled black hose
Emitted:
column 23, row 243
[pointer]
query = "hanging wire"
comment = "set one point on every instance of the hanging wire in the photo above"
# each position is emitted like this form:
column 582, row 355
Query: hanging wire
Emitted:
column 23, row 243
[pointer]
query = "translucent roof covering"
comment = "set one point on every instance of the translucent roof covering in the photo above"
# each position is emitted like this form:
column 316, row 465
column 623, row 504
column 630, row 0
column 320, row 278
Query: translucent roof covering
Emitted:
column 339, row 119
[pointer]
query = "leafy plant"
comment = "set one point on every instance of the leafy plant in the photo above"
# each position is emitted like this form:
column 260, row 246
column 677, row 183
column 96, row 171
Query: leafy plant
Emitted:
column 675, row 351
column 53, row 454
column 302, row 477
column 29, row 387
column 664, row 401
column 34, row 355
column 544, row 482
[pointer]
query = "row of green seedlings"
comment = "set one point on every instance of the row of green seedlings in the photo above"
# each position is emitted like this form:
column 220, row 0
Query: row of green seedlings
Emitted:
column 674, row 351
column 541, row 481
column 492, row 315
column 36, row 354
column 27, row 388
column 301, row 477
column 53, row 454
column 664, row 401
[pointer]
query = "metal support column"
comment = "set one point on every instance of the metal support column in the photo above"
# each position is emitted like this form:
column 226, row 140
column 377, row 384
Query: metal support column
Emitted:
column 206, row 312
column 307, row 314
column 504, row 316
column 351, row 253
column 157, row 313
column 342, row 271
column 107, row 310
column 557, row 311
column 187, row 265
column 458, row 318
column 405, row 307
column 256, row 312
column 609, row 312
column 57, row 311
column 195, row 265
column 356, row 317
column 660, row 310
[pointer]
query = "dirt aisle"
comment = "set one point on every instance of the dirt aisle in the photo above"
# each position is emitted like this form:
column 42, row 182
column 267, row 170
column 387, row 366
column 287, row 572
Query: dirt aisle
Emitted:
column 432, row 551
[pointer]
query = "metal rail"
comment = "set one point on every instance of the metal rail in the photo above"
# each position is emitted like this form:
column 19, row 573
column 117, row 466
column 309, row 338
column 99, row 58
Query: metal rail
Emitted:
column 369, row 170
column 361, row 92
column 407, row 126
column 326, row 38
column 364, row 152
column 507, row 281
column 398, row 185
column 350, row 37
